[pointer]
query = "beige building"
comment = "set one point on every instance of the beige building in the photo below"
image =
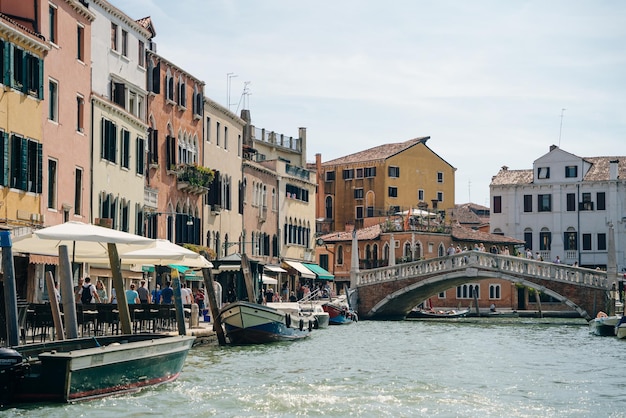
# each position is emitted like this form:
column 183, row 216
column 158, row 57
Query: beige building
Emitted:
column 224, row 203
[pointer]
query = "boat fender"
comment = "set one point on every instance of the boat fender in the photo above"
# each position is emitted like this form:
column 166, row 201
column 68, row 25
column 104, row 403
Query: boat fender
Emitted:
column 301, row 325
column 288, row 320
column 601, row 315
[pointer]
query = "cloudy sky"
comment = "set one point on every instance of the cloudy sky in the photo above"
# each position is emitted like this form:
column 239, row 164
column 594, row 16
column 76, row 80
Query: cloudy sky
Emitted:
column 486, row 80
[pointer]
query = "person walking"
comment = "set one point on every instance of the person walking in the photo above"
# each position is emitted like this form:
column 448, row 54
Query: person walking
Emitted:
column 167, row 293
column 132, row 297
column 144, row 294
column 102, row 292
column 88, row 292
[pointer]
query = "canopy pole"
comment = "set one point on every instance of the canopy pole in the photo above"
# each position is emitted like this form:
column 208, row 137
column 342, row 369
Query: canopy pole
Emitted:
column 120, row 292
column 67, row 293
column 210, row 292
column 10, row 292
column 54, row 305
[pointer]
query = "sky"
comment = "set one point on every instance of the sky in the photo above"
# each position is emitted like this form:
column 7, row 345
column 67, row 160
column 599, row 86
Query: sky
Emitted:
column 492, row 83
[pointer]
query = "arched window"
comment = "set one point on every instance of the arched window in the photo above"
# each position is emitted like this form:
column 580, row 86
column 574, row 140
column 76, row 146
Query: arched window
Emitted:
column 329, row 207
column 340, row 255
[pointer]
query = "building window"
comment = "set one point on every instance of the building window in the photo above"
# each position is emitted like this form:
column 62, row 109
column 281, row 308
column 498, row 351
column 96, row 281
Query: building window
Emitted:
column 570, row 202
column 182, row 92
column 394, row 171
column 528, row 203
column 602, row 242
column 358, row 193
column 169, row 87
column 330, row 176
column 80, row 111
column 238, row 145
column 358, row 212
column 571, row 171
column 570, row 240
column 601, row 201
column 543, row 172
column 440, row 196
column 392, row 192
column 140, row 158
column 497, row 204
column 217, row 133
column 225, row 137
column 420, row 195
column 80, row 43
column 113, row 36
column 468, row 291
column 25, row 164
column 439, row 177
column 544, row 203
column 141, row 54
column 348, row 174
column 545, row 240
column 370, row 172
column 78, row 192
column 586, row 204
column 52, row 14
column 125, row 156
column 586, row 242
column 359, row 173
column 53, row 100
column 108, row 143
column 528, row 238
column 52, row 184
column 494, row 291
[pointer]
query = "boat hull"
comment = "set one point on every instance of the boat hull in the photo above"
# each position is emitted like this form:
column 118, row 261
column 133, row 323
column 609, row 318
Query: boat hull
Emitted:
column 339, row 315
column 604, row 325
column 422, row 314
column 87, row 368
column 251, row 323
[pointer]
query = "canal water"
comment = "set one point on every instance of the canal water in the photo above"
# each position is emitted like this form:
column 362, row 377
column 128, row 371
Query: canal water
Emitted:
column 475, row 367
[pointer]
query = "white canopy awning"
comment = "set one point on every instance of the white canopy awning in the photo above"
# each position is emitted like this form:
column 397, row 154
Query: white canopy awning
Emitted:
column 269, row 280
column 275, row 269
column 304, row 272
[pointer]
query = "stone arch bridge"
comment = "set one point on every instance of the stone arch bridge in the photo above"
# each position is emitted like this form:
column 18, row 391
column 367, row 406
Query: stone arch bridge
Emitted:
column 389, row 293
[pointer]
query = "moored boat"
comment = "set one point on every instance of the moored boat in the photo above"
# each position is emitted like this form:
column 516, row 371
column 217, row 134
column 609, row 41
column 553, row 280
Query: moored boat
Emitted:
column 322, row 318
column 86, row 368
column 252, row 323
column 437, row 314
column 603, row 324
column 297, row 312
column 339, row 315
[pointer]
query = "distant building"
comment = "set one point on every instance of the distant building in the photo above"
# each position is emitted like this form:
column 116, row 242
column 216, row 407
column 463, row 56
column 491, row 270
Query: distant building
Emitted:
column 471, row 216
column 564, row 206
column 382, row 181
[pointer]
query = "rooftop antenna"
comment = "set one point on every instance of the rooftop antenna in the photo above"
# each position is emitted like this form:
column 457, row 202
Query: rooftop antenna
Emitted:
column 469, row 191
column 561, row 127
column 245, row 94
column 229, row 76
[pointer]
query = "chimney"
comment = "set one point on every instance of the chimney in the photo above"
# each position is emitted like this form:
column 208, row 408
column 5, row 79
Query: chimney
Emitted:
column 505, row 168
column 613, row 169
column 553, row 147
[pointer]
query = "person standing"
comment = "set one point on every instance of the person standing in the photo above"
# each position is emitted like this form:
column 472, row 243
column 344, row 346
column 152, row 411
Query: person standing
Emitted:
column 102, row 292
column 144, row 294
column 167, row 293
column 88, row 292
column 156, row 294
column 132, row 297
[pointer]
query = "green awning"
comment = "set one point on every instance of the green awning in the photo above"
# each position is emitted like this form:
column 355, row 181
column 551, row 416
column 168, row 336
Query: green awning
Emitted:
column 321, row 273
column 181, row 269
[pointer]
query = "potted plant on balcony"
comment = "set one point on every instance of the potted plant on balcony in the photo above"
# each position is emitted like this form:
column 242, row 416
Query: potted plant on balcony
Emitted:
column 194, row 177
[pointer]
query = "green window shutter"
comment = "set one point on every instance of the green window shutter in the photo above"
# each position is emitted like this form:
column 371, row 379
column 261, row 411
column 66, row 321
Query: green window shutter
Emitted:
column 25, row 71
column 23, row 180
column 113, row 142
column 40, row 87
column 103, row 127
column 39, row 167
column 4, row 161
column 9, row 74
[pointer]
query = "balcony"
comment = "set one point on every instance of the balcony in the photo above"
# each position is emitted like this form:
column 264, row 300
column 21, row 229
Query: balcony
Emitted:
column 193, row 178
column 150, row 197
column 296, row 171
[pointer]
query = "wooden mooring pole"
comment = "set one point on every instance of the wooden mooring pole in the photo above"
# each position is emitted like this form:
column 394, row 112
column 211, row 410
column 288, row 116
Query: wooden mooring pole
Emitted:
column 215, row 312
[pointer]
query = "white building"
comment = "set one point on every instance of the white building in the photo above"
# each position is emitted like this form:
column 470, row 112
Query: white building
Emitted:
column 118, row 118
column 564, row 206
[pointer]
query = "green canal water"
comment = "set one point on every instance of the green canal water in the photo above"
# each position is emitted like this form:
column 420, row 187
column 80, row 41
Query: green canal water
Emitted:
column 470, row 368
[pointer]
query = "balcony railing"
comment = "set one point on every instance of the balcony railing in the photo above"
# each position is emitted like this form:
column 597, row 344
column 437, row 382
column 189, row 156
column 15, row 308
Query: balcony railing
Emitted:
column 194, row 178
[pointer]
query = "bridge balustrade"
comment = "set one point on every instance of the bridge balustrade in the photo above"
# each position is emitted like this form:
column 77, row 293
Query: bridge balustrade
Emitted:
column 516, row 266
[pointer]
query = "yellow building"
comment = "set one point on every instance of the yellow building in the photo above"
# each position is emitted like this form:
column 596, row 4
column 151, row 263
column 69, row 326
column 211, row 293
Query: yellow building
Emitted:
column 381, row 181
column 21, row 100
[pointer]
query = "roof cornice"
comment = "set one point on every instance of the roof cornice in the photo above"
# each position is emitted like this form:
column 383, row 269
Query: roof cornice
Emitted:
column 18, row 33
column 82, row 10
column 114, row 11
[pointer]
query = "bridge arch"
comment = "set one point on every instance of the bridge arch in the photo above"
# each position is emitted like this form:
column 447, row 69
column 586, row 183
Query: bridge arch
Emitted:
column 391, row 292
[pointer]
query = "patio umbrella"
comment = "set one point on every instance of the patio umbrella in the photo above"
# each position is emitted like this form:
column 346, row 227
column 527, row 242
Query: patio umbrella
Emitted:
column 92, row 241
column 163, row 252
column 86, row 242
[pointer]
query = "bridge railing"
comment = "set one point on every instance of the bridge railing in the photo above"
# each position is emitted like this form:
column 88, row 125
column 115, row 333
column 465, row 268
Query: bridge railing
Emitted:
column 517, row 266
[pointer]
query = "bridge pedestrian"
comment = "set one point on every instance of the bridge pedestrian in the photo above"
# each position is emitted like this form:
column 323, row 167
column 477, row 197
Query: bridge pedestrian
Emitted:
column 451, row 249
column 557, row 260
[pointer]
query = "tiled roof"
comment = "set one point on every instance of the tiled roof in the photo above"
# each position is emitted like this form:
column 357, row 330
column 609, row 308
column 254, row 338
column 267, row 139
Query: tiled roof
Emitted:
column 378, row 153
column 461, row 233
column 364, row 234
column 599, row 171
column 465, row 214
column 146, row 22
